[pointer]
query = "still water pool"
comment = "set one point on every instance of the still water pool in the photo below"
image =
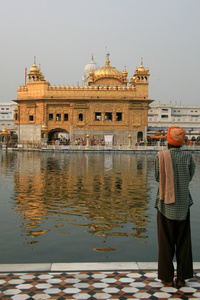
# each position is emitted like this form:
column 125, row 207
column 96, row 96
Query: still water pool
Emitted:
column 82, row 207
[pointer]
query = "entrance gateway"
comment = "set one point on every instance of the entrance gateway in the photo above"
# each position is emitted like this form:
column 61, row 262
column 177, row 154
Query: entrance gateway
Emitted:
column 58, row 134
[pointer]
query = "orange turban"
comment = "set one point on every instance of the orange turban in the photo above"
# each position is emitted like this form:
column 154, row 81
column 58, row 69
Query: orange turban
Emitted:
column 175, row 136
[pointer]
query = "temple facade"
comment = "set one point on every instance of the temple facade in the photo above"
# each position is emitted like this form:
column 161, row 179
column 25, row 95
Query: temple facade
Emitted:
column 106, row 105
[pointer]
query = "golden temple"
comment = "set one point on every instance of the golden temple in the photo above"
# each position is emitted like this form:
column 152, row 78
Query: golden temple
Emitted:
column 107, row 104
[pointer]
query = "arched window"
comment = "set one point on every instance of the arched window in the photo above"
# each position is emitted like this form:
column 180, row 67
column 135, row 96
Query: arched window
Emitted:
column 140, row 136
column 80, row 117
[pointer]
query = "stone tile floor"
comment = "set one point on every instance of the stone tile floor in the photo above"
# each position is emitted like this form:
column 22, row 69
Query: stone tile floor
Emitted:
column 136, row 284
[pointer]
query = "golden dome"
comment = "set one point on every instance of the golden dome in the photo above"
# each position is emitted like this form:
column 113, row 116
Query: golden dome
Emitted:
column 44, row 127
column 107, row 70
column 34, row 68
column 141, row 68
column 4, row 130
column 35, row 73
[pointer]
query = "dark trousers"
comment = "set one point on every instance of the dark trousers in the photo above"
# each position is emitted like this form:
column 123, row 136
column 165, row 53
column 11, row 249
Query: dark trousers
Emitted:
column 174, row 237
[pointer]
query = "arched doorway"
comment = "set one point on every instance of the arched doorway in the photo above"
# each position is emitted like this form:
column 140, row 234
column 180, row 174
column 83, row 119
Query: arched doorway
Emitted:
column 140, row 136
column 59, row 136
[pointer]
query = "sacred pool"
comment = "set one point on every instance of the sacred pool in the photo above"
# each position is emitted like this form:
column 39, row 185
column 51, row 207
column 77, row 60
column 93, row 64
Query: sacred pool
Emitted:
column 82, row 207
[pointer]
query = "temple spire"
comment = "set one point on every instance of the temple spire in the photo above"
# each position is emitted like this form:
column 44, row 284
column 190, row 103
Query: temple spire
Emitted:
column 108, row 61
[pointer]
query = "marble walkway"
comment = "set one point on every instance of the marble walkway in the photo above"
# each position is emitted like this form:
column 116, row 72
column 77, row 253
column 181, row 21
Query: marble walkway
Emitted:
column 91, row 281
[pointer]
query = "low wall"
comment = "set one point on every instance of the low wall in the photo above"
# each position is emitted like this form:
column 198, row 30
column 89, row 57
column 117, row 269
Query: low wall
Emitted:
column 63, row 148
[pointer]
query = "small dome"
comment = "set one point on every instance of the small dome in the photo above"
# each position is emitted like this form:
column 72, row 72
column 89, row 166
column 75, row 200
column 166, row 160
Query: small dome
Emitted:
column 4, row 130
column 44, row 127
column 35, row 73
column 141, row 68
column 34, row 69
column 91, row 67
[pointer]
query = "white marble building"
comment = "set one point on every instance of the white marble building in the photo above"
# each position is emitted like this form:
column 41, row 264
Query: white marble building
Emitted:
column 162, row 116
column 7, row 116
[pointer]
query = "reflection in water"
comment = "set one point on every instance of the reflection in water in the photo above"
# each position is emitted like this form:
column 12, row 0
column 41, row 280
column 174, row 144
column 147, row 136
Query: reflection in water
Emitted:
column 82, row 207
column 101, row 192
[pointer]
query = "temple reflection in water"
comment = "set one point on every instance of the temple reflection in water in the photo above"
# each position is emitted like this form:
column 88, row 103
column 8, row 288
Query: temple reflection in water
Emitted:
column 82, row 207
column 102, row 192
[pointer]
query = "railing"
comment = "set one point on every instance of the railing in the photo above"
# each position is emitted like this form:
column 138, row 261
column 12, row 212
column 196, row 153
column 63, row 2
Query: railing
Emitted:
column 31, row 146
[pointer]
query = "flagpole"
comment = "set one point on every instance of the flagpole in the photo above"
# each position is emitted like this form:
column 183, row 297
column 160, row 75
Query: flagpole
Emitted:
column 25, row 75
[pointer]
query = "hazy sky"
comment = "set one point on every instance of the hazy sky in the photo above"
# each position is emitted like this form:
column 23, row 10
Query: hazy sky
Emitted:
column 63, row 35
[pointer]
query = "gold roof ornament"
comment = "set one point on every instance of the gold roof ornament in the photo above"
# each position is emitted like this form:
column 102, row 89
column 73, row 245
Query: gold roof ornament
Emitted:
column 125, row 74
column 4, row 130
column 108, row 61
column 141, row 68
column 108, row 70
column 34, row 68
column 44, row 126
column 35, row 73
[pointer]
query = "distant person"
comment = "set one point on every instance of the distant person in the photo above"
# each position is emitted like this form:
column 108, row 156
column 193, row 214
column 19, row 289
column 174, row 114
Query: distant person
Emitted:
column 191, row 143
column 174, row 170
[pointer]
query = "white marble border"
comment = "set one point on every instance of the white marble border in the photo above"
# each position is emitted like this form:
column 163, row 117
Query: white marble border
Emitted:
column 103, row 266
column 67, row 267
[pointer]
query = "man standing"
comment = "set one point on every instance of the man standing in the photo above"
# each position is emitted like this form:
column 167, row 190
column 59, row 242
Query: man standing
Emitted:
column 174, row 170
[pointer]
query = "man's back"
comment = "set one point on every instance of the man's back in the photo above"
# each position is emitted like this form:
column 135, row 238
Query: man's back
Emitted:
column 183, row 169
